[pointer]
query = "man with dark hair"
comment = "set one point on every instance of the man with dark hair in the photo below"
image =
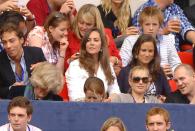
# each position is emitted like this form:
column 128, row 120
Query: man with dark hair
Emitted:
column 19, row 114
column 15, row 60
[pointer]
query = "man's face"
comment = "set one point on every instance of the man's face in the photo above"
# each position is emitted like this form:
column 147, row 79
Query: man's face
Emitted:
column 184, row 81
column 12, row 44
column 157, row 123
column 18, row 118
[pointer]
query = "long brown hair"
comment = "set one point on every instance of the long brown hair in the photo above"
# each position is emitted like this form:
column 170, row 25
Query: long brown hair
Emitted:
column 86, row 60
column 154, row 65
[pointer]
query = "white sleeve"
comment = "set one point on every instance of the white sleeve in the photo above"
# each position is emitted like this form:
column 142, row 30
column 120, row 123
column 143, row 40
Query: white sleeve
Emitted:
column 173, row 57
column 113, row 88
column 75, row 78
column 126, row 49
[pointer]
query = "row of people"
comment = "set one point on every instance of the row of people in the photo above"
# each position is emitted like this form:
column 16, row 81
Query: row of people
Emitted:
column 20, row 112
column 57, row 40
column 93, row 61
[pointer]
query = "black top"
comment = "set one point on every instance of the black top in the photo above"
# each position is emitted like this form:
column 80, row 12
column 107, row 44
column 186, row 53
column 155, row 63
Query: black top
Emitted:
column 52, row 97
column 108, row 21
column 177, row 97
column 32, row 55
column 161, row 83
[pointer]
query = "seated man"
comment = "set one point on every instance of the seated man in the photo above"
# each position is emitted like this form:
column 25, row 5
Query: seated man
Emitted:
column 180, row 26
column 184, row 76
column 157, row 119
column 15, row 60
column 19, row 114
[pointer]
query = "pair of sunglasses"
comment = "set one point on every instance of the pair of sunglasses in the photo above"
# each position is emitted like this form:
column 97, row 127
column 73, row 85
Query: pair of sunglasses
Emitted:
column 138, row 79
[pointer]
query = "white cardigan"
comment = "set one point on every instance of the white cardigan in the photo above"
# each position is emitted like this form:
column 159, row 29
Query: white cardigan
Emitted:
column 76, row 77
column 166, row 48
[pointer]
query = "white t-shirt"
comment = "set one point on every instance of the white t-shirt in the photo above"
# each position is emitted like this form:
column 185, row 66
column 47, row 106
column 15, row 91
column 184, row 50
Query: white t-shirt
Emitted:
column 8, row 127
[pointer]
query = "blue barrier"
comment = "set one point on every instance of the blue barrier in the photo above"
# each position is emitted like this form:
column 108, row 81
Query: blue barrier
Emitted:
column 60, row 116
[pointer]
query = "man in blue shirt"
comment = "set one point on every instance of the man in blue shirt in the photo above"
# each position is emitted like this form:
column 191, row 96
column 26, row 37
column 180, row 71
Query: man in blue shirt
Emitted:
column 180, row 26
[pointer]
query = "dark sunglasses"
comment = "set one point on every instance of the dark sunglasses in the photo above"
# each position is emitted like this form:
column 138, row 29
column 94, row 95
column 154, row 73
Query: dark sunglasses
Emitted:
column 137, row 79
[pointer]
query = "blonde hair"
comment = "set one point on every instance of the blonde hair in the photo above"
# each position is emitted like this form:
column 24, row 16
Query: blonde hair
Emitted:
column 123, row 14
column 88, row 12
column 151, row 11
column 113, row 121
column 47, row 76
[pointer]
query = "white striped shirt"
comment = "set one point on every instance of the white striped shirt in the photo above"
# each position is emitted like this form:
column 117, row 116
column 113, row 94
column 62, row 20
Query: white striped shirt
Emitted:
column 166, row 49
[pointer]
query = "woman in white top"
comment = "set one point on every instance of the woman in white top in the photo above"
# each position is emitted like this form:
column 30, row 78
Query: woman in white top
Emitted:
column 150, row 20
column 93, row 61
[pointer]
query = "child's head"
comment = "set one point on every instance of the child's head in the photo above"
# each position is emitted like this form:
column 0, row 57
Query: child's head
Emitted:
column 94, row 90
column 150, row 20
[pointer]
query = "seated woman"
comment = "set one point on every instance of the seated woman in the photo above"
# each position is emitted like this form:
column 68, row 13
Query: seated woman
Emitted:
column 116, row 15
column 139, row 81
column 47, row 82
column 94, row 90
column 151, row 20
column 88, row 17
column 145, row 53
column 113, row 124
column 93, row 61
column 52, row 38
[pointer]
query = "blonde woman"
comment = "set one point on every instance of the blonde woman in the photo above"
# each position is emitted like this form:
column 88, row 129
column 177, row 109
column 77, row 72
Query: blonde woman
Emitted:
column 139, row 80
column 113, row 124
column 116, row 15
column 47, row 82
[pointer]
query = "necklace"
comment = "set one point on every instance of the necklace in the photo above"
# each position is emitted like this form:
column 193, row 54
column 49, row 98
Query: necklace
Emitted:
column 134, row 101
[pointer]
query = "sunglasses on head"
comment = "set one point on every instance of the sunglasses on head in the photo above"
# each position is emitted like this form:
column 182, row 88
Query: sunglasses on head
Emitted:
column 138, row 79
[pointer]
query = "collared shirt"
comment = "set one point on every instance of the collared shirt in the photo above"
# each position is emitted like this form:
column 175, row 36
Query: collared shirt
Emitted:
column 25, row 73
column 8, row 127
column 169, row 12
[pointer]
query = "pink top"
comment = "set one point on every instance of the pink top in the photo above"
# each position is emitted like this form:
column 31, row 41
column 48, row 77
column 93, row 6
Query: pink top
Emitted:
column 50, row 54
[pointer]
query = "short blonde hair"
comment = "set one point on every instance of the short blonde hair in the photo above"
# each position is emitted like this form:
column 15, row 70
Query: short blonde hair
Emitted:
column 47, row 76
column 113, row 121
column 88, row 12
column 151, row 11
column 158, row 111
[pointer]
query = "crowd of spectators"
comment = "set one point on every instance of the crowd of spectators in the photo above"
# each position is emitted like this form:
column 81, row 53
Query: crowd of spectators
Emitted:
column 48, row 47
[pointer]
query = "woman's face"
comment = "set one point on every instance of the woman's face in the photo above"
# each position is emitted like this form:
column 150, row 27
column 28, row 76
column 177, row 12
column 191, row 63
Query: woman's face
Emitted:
column 40, row 92
column 93, row 46
column 146, row 53
column 60, row 32
column 139, row 81
column 151, row 26
column 84, row 26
